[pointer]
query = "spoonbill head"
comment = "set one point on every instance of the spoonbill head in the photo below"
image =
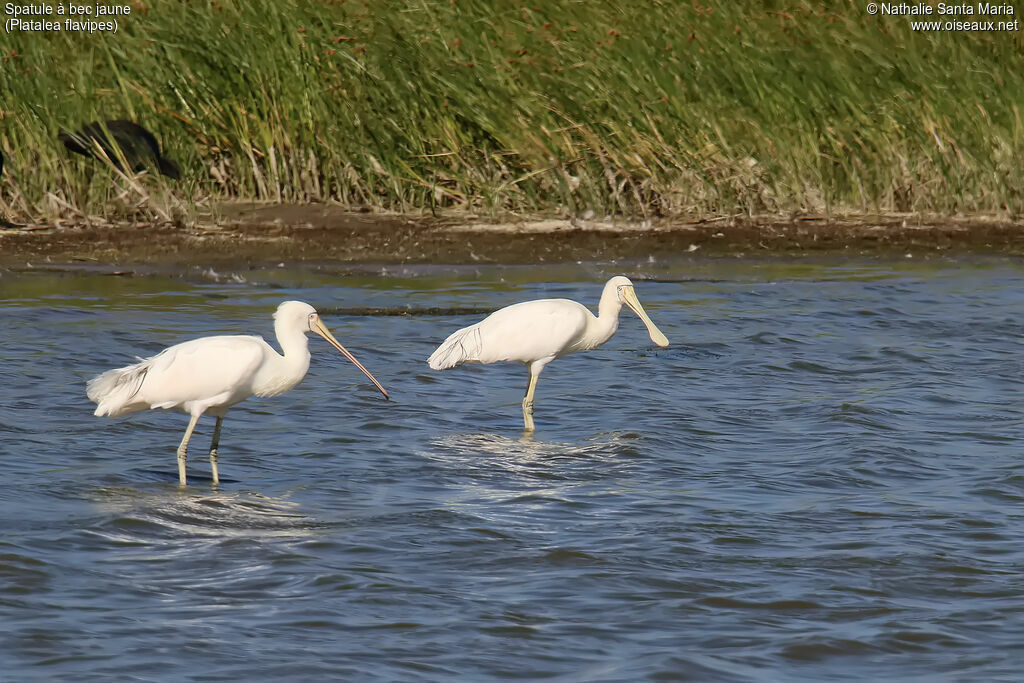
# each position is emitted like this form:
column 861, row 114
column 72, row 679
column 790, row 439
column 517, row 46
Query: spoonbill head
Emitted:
column 211, row 374
column 537, row 332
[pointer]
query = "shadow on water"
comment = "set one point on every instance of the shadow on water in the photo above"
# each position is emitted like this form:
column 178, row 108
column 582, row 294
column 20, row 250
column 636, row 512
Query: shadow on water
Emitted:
column 530, row 446
column 140, row 515
column 506, row 468
column 194, row 479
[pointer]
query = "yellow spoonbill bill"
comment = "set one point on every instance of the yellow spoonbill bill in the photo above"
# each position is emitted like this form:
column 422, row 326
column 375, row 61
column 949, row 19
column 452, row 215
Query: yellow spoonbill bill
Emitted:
column 211, row 374
column 535, row 333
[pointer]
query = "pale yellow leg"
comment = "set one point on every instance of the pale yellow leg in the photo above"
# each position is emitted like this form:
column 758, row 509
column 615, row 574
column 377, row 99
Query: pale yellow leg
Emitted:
column 531, row 388
column 183, row 449
column 213, row 450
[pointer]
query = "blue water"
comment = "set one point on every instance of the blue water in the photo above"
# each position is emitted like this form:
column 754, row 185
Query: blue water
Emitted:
column 820, row 479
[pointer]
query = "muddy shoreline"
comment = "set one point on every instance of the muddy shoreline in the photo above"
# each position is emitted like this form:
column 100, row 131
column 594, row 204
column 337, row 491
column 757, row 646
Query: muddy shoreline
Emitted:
column 269, row 234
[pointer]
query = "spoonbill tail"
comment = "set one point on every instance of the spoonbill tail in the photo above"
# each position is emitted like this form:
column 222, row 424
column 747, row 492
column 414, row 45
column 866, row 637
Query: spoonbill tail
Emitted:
column 535, row 333
column 211, row 374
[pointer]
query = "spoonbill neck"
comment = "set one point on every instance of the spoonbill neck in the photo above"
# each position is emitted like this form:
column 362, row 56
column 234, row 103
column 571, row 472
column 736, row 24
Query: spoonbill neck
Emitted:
column 294, row 345
column 610, row 305
column 280, row 372
column 601, row 328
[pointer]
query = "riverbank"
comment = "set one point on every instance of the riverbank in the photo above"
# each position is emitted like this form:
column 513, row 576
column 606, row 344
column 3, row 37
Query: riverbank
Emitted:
column 631, row 109
column 258, row 234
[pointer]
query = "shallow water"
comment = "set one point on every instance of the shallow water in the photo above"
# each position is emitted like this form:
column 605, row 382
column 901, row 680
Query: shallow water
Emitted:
column 820, row 479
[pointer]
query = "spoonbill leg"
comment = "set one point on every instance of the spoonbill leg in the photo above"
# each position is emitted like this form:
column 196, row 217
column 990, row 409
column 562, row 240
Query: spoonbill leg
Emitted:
column 183, row 448
column 213, row 449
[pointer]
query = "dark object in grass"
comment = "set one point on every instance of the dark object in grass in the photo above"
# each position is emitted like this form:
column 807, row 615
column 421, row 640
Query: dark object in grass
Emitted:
column 119, row 138
column 4, row 223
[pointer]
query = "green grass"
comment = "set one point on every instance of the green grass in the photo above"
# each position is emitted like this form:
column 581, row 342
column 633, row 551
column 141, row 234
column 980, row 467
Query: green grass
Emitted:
column 629, row 108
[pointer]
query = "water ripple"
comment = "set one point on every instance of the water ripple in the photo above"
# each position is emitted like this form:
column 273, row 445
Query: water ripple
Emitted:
column 819, row 480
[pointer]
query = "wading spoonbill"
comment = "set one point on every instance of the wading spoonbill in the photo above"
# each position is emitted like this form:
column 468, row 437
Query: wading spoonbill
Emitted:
column 211, row 374
column 535, row 333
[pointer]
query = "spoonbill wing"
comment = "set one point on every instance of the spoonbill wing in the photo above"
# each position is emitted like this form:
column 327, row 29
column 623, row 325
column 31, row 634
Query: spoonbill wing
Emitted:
column 522, row 332
column 197, row 370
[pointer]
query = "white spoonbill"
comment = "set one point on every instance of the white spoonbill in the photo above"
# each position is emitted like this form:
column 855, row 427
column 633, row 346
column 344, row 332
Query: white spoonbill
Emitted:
column 211, row 374
column 535, row 333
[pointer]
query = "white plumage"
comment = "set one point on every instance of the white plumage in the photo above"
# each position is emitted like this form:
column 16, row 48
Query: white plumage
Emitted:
column 537, row 332
column 221, row 372
column 211, row 374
